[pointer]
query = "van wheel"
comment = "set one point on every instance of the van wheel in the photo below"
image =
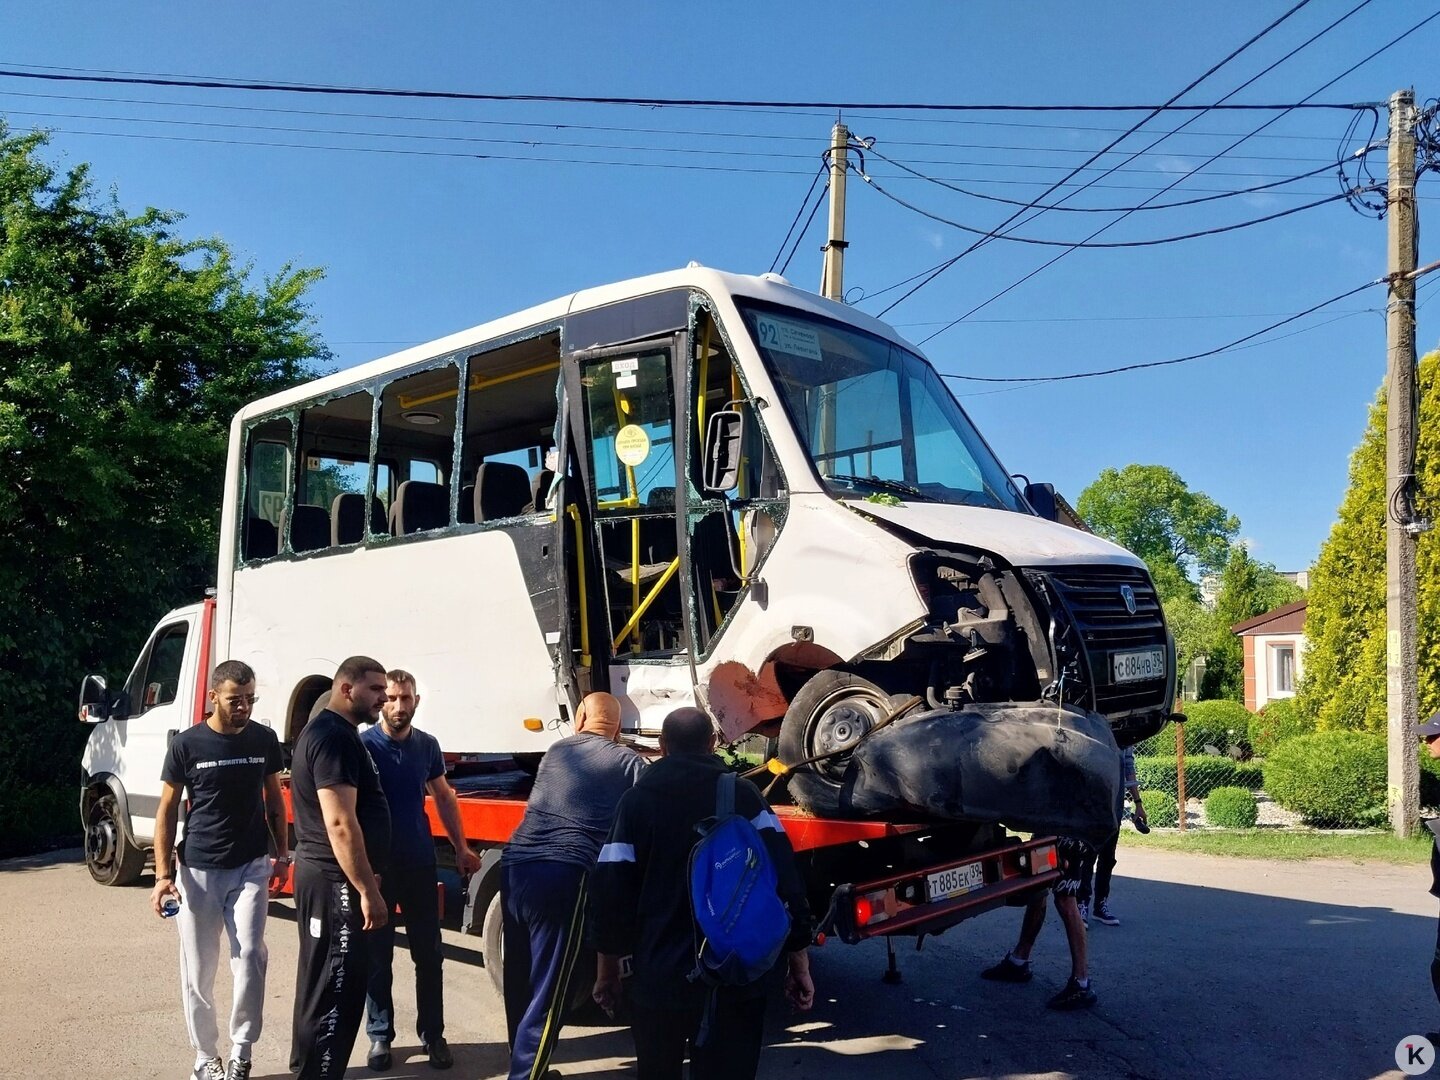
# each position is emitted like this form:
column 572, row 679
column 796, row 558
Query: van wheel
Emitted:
column 110, row 856
column 830, row 714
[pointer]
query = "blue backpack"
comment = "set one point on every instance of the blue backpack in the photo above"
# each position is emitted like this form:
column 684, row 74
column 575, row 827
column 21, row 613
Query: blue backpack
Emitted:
column 740, row 922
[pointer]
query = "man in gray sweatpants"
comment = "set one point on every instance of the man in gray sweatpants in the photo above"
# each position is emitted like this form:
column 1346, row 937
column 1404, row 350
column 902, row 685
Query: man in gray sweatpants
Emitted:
column 221, row 872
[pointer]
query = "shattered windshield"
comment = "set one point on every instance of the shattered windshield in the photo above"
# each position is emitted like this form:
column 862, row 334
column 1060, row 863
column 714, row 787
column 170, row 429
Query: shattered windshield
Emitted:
column 874, row 417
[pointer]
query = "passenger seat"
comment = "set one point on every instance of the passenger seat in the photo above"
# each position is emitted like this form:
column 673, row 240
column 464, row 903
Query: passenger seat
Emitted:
column 309, row 527
column 347, row 518
column 501, row 491
column 419, row 507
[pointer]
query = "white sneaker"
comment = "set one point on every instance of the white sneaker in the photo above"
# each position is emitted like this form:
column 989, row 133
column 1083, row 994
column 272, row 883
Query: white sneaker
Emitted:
column 214, row 1069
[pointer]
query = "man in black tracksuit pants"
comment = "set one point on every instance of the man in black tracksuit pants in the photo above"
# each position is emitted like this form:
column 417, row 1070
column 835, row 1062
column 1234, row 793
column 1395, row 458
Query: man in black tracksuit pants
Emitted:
column 639, row 905
column 342, row 823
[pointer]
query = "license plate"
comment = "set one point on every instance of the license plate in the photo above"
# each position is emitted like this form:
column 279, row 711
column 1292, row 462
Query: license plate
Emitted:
column 1137, row 665
column 956, row 881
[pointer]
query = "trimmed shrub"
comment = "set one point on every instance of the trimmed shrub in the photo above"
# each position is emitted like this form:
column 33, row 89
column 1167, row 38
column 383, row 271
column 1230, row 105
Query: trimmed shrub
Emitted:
column 1161, row 744
column 1161, row 810
column 1332, row 779
column 1279, row 720
column 1231, row 808
column 1203, row 774
column 1221, row 724
column 1206, row 723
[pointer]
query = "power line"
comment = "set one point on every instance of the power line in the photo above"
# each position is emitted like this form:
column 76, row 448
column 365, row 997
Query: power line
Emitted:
column 553, row 126
column 796, row 246
column 1239, row 348
column 803, row 203
column 213, row 83
column 931, row 275
column 1076, row 245
column 1109, row 209
column 540, row 142
column 1349, row 195
column 1030, row 379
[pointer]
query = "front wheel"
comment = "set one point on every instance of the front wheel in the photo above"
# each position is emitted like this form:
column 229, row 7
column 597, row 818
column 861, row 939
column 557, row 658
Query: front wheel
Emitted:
column 110, row 855
column 831, row 713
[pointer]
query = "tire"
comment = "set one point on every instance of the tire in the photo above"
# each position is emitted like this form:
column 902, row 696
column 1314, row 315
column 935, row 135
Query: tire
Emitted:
column 110, row 855
column 831, row 712
column 579, row 1006
column 492, row 943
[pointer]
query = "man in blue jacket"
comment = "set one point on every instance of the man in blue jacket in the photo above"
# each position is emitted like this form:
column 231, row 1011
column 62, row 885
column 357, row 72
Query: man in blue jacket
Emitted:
column 640, row 907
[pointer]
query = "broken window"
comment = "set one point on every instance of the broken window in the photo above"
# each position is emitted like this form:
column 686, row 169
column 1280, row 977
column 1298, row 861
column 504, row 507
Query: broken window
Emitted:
column 629, row 409
column 267, row 478
column 335, row 467
column 730, row 533
column 416, row 441
column 510, row 409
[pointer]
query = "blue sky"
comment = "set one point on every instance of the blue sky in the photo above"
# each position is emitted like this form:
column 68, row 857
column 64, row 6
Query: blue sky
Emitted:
column 432, row 223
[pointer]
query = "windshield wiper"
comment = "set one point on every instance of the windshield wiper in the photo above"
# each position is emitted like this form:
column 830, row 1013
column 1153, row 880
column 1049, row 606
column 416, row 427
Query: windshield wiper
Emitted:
column 882, row 484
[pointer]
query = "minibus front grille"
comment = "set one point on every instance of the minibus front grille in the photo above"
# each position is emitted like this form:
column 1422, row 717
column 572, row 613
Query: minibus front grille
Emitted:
column 1095, row 598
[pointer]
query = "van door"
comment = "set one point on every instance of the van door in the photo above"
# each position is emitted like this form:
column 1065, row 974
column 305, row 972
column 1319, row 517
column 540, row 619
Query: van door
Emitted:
column 628, row 406
column 161, row 691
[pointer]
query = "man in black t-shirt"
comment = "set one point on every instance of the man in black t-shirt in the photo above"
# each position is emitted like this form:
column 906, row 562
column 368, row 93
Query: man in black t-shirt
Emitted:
column 342, row 842
column 230, row 769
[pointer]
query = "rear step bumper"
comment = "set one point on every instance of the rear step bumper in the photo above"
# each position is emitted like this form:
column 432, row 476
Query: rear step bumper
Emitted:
column 931, row 899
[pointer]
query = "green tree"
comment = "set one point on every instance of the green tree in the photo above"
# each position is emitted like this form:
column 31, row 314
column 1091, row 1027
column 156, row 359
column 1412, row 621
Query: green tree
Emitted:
column 1181, row 534
column 124, row 351
column 1344, row 682
column 1247, row 588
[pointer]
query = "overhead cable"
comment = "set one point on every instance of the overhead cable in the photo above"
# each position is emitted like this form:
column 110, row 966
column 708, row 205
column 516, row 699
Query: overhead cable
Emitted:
column 1174, row 360
column 1347, row 194
column 803, row 204
column 930, row 275
column 212, row 83
column 1110, row 209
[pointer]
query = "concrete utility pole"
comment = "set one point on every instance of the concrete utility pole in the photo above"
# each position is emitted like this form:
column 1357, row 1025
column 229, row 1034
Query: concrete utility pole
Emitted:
column 833, row 272
column 1403, row 769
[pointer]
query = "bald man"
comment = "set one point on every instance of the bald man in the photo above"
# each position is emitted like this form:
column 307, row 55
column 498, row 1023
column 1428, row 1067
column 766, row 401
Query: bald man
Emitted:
column 543, row 872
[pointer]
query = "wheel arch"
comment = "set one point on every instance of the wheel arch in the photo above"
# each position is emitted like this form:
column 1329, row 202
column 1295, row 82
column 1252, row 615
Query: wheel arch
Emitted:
column 303, row 697
column 97, row 785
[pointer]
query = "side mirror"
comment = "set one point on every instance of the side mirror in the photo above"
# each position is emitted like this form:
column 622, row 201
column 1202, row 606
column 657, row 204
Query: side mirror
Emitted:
column 724, row 433
column 1041, row 498
column 94, row 700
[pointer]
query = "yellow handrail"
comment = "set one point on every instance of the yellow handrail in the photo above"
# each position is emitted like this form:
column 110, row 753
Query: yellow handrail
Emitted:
column 478, row 382
column 574, row 513
column 634, row 622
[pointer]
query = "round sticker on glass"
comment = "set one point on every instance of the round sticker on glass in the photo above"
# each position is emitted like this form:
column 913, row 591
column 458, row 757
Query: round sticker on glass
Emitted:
column 632, row 445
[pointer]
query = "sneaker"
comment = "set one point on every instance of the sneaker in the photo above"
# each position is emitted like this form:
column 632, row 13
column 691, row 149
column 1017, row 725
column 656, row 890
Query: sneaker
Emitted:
column 214, row 1069
column 440, row 1056
column 1008, row 971
column 1103, row 914
column 379, row 1056
column 238, row 1070
column 1085, row 912
column 1074, row 996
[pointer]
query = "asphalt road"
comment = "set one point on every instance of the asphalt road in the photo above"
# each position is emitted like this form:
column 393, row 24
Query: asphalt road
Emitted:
column 1222, row 968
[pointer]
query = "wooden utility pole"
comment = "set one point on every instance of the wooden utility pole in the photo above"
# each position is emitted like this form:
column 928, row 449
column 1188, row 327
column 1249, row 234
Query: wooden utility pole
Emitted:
column 833, row 273
column 1401, row 532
